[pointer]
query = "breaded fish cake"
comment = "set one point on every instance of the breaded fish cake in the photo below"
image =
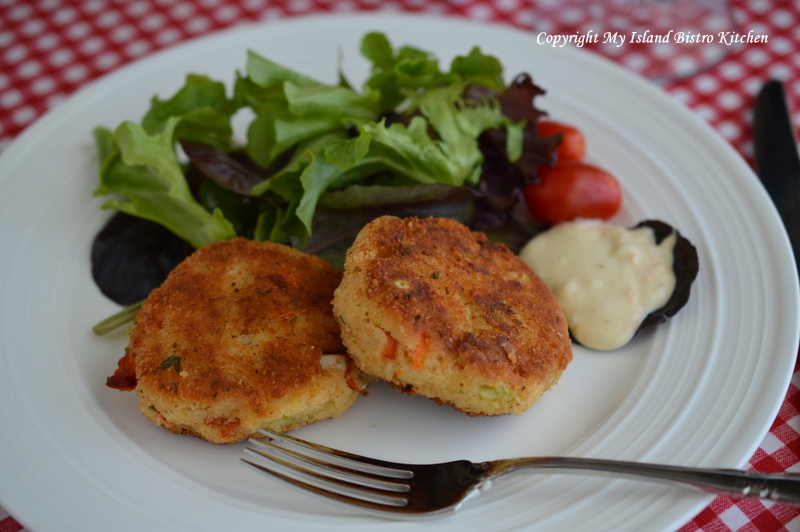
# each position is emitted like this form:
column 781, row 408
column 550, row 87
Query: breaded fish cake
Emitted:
column 241, row 336
column 438, row 310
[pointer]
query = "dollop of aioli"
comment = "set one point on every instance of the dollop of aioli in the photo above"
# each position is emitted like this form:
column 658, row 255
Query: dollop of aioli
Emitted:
column 606, row 278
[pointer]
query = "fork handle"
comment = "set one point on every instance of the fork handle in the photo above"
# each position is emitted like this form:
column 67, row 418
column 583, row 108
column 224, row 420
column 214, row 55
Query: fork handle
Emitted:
column 779, row 487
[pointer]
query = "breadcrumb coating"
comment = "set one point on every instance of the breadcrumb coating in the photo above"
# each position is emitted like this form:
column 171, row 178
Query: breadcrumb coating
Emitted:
column 438, row 310
column 240, row 337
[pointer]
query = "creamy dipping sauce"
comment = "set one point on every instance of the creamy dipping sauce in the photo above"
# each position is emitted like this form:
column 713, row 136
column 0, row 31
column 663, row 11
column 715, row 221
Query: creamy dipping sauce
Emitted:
column 606, row 278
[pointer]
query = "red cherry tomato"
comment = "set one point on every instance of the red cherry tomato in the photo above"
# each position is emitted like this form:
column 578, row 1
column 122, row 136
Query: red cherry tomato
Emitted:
column 572, row 190
column 573, row 143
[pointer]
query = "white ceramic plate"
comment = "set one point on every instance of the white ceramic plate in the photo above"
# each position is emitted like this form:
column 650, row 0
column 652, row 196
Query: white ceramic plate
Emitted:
column 702, row 390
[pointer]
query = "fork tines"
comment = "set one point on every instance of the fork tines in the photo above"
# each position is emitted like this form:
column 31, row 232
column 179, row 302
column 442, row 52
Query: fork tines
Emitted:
column 331, row 473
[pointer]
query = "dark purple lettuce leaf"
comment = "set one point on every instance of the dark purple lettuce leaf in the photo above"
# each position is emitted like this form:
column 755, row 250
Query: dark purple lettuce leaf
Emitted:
column 130, row 256
column 512, row 227
column 501, row 211
column 686, row 266
column 233, row 172
column 517, row 101
column 501, row 176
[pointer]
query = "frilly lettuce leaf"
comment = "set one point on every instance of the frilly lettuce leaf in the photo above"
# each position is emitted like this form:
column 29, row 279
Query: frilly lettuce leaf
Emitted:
column 204, row 110
column 396, row 73
column 143, row 172
column 410, row 125
column 340, row 136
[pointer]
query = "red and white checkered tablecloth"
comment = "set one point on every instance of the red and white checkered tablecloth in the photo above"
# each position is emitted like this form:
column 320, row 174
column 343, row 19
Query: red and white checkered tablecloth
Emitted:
column 51, row 48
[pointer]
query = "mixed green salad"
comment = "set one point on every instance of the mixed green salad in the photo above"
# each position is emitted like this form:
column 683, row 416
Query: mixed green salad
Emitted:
column 319, row 160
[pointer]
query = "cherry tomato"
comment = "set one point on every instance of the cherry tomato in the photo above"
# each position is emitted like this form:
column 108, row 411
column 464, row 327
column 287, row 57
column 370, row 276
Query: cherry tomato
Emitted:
column 572, row 190
column 573, row 143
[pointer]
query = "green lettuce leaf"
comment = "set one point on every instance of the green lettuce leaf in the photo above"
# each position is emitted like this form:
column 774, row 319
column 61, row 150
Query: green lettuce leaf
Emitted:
column 203, row 107
column 143, row 171
column 266, row 73
column 480, row 69
column 398, row 74
column 344, row 105
column 459, row 123
column 292, row 109
column 310, row 138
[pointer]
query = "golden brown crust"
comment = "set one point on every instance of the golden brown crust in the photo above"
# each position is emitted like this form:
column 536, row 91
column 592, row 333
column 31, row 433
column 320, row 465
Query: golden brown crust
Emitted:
column 437, row 309
column 233, row 339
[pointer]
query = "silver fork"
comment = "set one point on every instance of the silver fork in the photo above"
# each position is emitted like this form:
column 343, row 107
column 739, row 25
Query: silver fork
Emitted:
column 424, row 491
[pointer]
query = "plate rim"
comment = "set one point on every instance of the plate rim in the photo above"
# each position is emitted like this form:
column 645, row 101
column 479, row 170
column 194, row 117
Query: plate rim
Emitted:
column 26, row 139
